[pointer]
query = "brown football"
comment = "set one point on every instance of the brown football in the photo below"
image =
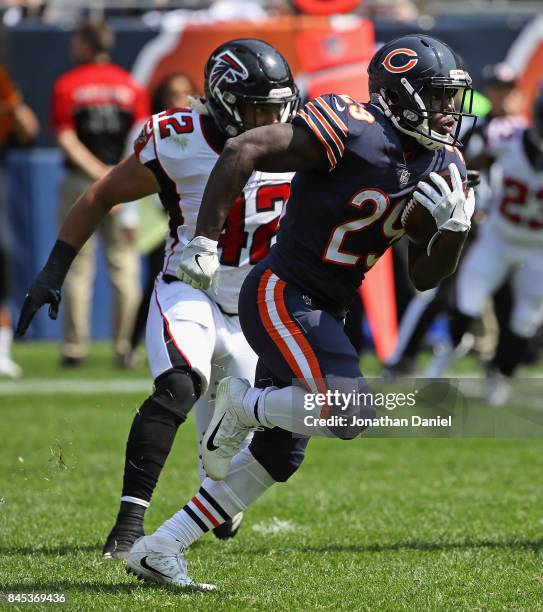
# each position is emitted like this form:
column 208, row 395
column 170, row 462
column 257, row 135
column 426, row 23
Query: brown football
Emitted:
column 418, row 223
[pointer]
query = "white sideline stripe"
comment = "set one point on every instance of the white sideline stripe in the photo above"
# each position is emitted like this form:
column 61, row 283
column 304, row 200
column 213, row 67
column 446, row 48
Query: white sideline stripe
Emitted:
column 41, row 386
column 474, row 389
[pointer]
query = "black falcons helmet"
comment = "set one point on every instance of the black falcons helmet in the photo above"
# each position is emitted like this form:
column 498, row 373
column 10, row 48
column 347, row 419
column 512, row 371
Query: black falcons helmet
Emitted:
column 247, row 70
column 406, row 72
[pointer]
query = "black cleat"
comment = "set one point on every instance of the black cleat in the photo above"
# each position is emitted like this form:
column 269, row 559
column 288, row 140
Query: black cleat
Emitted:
column 72, row 362
column 120, row 541
column 229, row 528
column 403, row 368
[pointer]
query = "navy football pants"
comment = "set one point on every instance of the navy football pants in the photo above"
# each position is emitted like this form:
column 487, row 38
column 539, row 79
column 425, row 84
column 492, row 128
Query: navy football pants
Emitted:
column 297, row 343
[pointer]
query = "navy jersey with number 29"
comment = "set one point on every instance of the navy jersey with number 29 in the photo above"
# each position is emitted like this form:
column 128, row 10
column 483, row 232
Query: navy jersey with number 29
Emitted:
column 341, row 219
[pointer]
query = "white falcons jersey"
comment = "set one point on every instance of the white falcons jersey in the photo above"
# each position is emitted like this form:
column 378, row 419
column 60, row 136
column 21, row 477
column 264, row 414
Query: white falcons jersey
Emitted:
column 174, row 145
column 517, row 208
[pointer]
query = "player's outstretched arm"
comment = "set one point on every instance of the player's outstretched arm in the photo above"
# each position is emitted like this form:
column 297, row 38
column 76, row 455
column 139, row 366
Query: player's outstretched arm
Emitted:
column 273, row 148
column 127, row 181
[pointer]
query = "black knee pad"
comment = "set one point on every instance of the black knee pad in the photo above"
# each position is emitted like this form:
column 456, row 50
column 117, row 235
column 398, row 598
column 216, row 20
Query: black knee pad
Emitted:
column 176, row 391
column 279, row 452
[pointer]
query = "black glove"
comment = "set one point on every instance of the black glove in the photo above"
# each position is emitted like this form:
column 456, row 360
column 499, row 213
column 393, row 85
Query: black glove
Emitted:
column 46, row 288
column 474, row 178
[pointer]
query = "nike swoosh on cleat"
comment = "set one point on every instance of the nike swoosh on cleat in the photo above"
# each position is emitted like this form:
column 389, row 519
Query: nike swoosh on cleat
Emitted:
column 210, row 445
column 145, row 565
column 196, row 258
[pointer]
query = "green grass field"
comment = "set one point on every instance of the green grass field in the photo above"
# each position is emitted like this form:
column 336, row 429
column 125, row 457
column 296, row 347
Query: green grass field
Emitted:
column 377, row 524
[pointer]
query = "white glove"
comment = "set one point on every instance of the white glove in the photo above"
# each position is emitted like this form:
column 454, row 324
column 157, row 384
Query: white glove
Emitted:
column 199, row 262
column 460, row 220
column 442, row 202
column 452, row 210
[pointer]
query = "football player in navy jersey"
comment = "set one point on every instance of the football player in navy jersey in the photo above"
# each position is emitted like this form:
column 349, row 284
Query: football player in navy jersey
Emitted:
column 357, row 166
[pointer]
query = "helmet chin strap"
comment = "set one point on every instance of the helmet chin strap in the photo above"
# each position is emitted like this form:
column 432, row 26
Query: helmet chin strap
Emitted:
column 436, row 136
column 426, row 142
column 203, row 107
column 436, row 141
column 286, row 113
column 199, row 105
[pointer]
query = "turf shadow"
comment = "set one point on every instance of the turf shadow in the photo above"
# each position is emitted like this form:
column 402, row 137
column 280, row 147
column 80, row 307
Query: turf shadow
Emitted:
column 61, row 551
column 531, row 545
column 57, row 551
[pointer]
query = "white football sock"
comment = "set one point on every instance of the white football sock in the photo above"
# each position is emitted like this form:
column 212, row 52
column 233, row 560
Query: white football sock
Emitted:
column 253, row 404
column 216, row 501
column 285, row 408
column 6, row 338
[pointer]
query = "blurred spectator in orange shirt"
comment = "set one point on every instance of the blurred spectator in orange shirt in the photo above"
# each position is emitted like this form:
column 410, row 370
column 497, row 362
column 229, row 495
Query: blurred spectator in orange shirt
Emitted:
column 94, row 108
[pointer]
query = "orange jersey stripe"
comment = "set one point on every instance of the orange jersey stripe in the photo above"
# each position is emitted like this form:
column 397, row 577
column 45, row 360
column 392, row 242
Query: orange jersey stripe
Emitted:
column 326, row 125
column 268, row 326
column 315, row 129
column 298, row 336
column 333, row 115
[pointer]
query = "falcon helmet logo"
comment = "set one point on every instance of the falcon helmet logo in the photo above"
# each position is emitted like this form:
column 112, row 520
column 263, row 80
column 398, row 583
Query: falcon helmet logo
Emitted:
column 228, row 68
column 397, row 67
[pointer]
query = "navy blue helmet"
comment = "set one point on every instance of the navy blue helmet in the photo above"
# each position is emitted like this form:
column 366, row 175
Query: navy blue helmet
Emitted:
column 415, row 77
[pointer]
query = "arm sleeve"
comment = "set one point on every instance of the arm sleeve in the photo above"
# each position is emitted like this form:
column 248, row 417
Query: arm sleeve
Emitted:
column 146, row 149
column 325, row 117
column 144, row 145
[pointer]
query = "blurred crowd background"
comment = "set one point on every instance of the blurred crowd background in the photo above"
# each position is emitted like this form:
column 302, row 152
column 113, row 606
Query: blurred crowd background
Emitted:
column 66, row 11
column 161, row 46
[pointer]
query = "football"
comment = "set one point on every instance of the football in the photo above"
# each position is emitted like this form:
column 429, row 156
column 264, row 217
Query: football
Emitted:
column 417, row 221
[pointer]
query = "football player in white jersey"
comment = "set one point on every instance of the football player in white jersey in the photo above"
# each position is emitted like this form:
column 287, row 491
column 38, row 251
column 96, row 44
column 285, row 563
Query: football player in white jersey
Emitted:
column 193, row 337
column 509, row 247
